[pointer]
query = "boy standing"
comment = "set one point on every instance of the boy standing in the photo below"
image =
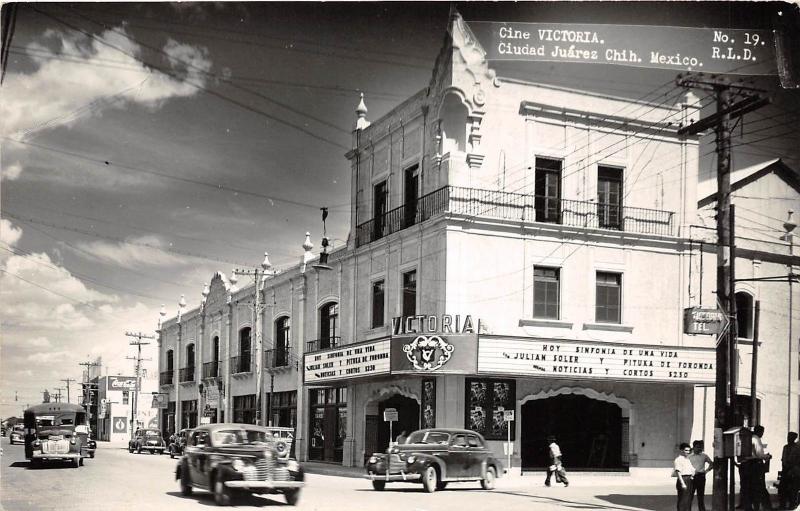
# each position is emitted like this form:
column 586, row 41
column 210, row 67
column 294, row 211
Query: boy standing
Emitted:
column 702, row 463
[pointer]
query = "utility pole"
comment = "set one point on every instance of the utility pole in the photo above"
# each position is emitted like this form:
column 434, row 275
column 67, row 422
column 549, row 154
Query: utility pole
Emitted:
column 68, row 381
column 725, row 392
column 87, row 388
column 259, row 274
column 138, row 342
column 58, row 393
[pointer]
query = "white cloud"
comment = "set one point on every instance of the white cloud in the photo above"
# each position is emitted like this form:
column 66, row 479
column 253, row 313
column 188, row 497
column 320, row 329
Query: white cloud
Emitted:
column 61, row 91
column 9, row 234
column 11, row 172
column 137, row 252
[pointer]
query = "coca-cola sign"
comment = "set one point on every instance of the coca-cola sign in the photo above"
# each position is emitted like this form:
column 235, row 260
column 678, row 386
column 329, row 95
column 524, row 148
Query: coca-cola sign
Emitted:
column 121, row 383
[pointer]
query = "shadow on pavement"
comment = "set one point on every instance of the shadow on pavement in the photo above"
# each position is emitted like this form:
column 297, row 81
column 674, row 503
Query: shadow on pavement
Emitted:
column 648, row 502
column 574, row 504
column 205, row 498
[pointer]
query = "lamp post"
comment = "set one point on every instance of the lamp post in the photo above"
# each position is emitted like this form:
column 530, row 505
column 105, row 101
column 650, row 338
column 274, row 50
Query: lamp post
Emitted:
column 789, row 227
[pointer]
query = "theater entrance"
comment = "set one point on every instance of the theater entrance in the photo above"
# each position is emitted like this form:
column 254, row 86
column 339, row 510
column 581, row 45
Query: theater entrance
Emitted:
column 376, row 432
column 589, row 431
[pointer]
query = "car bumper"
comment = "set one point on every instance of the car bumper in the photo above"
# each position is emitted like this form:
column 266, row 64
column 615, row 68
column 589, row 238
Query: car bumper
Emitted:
column 402, row 476
column 272, row 485
column 151, row 448
column 68, row 456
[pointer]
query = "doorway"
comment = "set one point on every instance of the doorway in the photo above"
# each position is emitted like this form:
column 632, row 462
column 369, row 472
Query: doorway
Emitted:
column 589, row 432
column 376, row 433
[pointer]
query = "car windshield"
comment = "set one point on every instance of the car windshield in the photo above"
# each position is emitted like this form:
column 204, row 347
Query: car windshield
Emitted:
column 428, row 437
column 239, row 437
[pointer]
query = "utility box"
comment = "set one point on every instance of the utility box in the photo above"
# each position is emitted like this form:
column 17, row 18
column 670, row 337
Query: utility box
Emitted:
column 737, row 442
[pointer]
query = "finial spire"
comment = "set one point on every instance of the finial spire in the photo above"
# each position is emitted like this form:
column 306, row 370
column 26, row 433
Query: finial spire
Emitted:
column 361, row 111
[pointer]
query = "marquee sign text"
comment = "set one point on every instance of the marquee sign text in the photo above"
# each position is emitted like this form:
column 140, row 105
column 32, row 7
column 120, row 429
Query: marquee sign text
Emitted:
column 350, row 361
column 610, row 361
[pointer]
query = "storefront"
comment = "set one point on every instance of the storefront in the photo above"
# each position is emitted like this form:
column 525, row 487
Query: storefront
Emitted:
column 611, row 405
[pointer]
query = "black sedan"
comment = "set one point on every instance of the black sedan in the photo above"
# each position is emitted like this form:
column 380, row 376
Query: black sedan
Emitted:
column 227, row 459
column 435, row 457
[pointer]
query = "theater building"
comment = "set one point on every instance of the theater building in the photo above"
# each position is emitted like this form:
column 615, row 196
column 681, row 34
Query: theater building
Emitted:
column 514, row 247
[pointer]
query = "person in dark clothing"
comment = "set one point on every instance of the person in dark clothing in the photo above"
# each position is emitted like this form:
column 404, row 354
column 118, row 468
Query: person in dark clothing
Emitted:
column 790, row 465
column 555, row 463
column 702, row 463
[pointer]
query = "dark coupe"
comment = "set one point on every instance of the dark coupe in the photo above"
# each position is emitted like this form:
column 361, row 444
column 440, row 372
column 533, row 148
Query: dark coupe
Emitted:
column 436, row 457
column 147, row 440
column 226, row 458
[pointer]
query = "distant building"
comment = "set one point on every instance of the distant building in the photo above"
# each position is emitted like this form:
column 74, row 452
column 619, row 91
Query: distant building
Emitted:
column 113, row 420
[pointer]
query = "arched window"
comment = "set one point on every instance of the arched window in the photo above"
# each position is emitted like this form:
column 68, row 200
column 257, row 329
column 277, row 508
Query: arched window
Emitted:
column 282, row 330
column 216, row 349
column 329, row 325
column 245, row 350
column 190, row 355
column 744, row 315
column 454, row 124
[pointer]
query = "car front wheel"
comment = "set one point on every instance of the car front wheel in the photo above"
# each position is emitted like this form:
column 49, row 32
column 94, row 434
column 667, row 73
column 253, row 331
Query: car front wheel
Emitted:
column 222, row 495
column 292, row 496
column 186, row 483
column 430, row 479
column 488, row 482
column 379, row 485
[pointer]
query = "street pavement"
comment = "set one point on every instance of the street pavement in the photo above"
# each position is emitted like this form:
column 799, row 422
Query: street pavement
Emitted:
column 117, row 480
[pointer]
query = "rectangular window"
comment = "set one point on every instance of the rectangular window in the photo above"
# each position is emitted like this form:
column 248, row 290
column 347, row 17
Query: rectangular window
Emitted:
column 377, row 304
column 244, row 409
column 411, row 196
column 380, row 204
column 284, row 409
column 125, row 397
column 608, row 300
column 486, row 400
column 546, row 294
column 410, row 293
column 609, row 197
column 547, row 190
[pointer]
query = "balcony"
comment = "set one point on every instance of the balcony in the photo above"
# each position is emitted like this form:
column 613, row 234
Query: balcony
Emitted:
column 165, row 377
column 241, row 364
column 516, row 207
column 323, row 344
column 276, row 358
column 211, row 369
column 186, row 374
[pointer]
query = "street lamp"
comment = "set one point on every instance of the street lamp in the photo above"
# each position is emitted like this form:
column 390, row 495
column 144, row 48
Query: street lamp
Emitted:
column 789, row 227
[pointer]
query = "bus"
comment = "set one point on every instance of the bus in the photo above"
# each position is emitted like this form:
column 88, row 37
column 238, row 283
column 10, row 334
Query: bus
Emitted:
column 56, row 431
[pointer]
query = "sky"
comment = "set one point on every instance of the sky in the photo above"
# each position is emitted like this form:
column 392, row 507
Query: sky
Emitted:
column 146, row 146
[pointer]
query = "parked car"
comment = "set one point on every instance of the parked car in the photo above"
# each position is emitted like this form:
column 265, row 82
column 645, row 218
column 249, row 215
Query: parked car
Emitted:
column 147, row 440
column 229, row 458
column 17, row 435
column 435, row 457
column 177, row 442
column 284, row 437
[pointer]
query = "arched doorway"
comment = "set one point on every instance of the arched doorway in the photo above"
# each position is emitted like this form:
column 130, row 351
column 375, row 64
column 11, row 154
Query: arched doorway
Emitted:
column 592, row 433
column 376, row 431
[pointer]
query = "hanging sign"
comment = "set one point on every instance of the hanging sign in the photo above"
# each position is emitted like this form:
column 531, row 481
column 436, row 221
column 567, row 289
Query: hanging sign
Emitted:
column 704, row 321
column 709, row 50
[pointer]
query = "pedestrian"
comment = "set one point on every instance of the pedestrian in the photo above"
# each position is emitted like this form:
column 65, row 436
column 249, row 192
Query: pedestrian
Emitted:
column 401, row 438
column 790, row 466
column 684, row 472
column 760, row 494
column 555, row 463
column 702, row 464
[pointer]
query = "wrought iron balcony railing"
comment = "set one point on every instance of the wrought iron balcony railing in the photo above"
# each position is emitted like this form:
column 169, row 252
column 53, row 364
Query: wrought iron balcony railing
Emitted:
column 211, row 369
column 186, row 374
column 323, row 344
column 277, row 357
column 165, row 377
column 517, row 207
column 241, row 364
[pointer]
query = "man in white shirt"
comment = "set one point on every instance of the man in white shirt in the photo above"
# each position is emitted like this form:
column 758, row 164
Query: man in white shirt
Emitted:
column 555, row 463
column 702, row 463
column 684, row 470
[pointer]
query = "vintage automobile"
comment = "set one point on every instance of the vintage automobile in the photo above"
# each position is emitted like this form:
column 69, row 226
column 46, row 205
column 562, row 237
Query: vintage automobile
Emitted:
column 56, row 432
column 17, row 435
column 147, row 440
column 227, row 459
column 284, row 437
column 436, row 457
column 177, row 442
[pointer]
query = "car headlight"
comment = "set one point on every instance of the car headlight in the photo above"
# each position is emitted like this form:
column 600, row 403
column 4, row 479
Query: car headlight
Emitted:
column 411, row 459
column 238, row 464
column 293, row 465
column 72, row 440
column 373, row 459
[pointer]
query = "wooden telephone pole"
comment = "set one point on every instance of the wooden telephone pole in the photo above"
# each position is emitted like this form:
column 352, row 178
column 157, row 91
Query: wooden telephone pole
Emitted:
column 138, row 358
column 725, row 391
